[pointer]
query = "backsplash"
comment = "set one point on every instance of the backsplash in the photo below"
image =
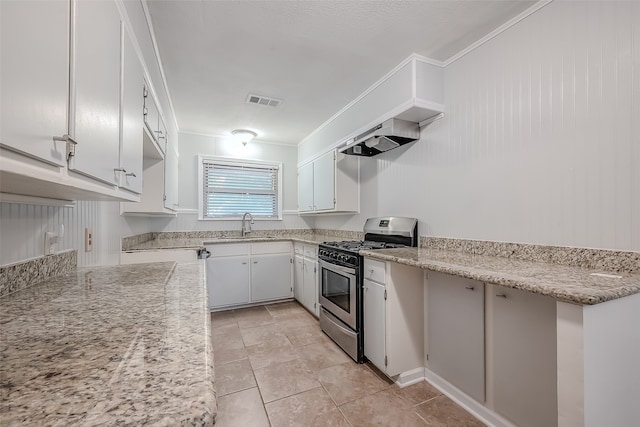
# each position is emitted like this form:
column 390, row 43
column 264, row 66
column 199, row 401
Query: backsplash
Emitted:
column 597, row 259
column 15, row 277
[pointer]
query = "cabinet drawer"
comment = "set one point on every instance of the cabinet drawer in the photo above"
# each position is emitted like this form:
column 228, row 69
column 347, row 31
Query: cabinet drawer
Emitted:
column 298, row 248
column 229, row 249
column 310, row 251
column 374, row 270
column 270, row 248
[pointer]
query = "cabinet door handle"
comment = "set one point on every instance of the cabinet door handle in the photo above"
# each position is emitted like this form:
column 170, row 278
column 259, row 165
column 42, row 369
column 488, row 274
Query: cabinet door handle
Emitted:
column 501, row 296
column 120, row 170
column 244, row 263
column 255, row 262
column 131, row 174
column 371, row 271
column 469, row 288
column 71, row 144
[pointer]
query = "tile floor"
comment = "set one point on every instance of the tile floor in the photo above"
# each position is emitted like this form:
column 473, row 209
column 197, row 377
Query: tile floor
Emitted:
column 275, row 367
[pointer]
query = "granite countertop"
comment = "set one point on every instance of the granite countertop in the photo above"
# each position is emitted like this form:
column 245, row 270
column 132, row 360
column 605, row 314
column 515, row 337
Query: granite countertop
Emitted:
column 197, row 243
column 125, row 345
column 565, row 283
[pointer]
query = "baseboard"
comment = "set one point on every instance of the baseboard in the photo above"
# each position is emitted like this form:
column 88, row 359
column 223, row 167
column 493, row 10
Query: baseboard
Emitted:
column 408, row 378
column 475, row 408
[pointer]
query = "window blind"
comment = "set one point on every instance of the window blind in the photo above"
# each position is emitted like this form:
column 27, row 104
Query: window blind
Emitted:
column 231, row 189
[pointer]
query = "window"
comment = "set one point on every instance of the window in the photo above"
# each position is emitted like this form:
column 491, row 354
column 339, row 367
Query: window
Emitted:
column 229, row 188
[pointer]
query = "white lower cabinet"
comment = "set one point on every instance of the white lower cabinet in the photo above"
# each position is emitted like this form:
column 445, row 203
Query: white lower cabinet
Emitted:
column 524, row 352
column 393, row 317
column 228, row 281
column 305, row 288
column 270, row 277
column 240, row 274
column 455, row 331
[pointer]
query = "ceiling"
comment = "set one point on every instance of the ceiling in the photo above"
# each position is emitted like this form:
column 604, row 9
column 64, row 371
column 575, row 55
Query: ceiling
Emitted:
column 316, row 56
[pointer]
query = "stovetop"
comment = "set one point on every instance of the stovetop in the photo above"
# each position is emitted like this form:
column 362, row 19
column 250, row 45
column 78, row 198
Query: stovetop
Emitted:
column 356, row 245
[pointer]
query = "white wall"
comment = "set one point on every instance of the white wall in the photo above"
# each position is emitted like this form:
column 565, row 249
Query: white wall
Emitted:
column 540, row 143
column 192, row 145
column 22, row 229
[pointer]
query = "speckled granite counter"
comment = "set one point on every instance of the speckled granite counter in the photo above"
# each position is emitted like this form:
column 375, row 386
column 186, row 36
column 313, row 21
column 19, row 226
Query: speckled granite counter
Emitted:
column 197, row 243
column 119, row 345
column 565, row 283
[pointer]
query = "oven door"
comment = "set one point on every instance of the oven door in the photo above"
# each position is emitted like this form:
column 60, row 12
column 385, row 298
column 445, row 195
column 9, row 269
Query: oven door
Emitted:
column 338, row 291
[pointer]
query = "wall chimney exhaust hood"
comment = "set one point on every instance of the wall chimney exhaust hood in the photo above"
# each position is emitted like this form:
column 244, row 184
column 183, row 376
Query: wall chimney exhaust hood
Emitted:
column 390, row 134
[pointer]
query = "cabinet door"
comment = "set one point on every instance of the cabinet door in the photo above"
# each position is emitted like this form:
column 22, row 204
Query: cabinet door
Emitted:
column 97, row 90
column 34, row 76
column 310, row 293
column 374, row 323
column 524, row 357
column 324, row 181
column 305, row 188
column 298, row 279
column 271, row 277
column 228, row 281
column 132, row 120
column 455, row 323
column 171, row 178
column 152, row 116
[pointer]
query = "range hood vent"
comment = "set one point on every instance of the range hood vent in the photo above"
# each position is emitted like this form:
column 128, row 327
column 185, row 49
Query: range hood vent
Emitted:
column 386, row 136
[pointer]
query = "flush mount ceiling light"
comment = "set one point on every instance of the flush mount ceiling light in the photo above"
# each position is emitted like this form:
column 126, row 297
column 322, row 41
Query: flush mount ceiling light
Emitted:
column 243, row 135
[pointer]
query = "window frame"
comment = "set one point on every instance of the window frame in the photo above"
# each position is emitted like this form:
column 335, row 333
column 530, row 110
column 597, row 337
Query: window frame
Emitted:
column 236, row 162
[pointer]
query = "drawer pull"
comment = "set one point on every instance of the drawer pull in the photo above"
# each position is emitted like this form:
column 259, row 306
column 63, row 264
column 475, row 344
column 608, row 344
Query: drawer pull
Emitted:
column 470, row 288
column 501, row 296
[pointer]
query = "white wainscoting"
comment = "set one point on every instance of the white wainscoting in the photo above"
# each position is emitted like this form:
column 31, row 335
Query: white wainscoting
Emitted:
column 540, row 142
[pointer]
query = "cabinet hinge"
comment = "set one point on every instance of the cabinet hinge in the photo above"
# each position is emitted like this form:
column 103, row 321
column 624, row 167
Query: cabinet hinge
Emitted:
column 427, row 356
column 315, row 269
column 164, row 197
column 385, row 361
column 385, row 294
column 290, row 260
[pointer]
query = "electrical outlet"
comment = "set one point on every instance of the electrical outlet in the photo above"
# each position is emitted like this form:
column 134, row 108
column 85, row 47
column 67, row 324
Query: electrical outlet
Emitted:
column 50, row 242
column 88, row 239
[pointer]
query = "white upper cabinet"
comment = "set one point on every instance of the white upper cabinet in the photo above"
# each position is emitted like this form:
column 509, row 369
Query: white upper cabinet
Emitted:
column 132, row 120
column 171, row 178
column 34, row 78
column 96, row 104
column 324, row 182
column 305, row 188
column 329, row 184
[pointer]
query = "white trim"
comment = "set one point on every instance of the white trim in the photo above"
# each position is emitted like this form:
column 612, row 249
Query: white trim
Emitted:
column 414, row 376
column 147, row 16
column 412, row 57
column 33, row 200
column 513, row 21
column 232, row 160
column 475, row 408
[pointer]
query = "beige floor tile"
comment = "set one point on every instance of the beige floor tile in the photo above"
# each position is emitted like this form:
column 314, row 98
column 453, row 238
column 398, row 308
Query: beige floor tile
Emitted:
column 296, row 320
column 220, row 357
column 253, row 316
column 313, row 408
column 223, row 318
column 241, row 409
column 264, row 334
column 322, row 355
column 263, row 355
column 381, row 409
column 234, row 376
column 230, row 340
column 349, row 381
column 283, row 380
column 416, row 394
column 442, row 412
column 285, row 309
column 306, row 335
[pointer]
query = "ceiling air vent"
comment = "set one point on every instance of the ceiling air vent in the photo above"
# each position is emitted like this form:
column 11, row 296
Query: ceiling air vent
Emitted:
column 263, row 100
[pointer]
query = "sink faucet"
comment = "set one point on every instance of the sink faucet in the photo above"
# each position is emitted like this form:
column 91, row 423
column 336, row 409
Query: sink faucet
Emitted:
column 246, row 227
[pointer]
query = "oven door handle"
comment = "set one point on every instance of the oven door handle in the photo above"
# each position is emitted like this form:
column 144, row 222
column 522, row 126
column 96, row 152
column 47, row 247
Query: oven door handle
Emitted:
column 335, row 267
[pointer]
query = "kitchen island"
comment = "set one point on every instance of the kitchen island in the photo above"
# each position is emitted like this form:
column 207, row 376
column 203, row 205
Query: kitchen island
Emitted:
column 109, row 345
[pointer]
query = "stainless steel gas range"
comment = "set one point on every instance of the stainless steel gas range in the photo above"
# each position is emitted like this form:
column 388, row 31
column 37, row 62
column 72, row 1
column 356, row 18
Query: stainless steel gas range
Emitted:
column 341, row 316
